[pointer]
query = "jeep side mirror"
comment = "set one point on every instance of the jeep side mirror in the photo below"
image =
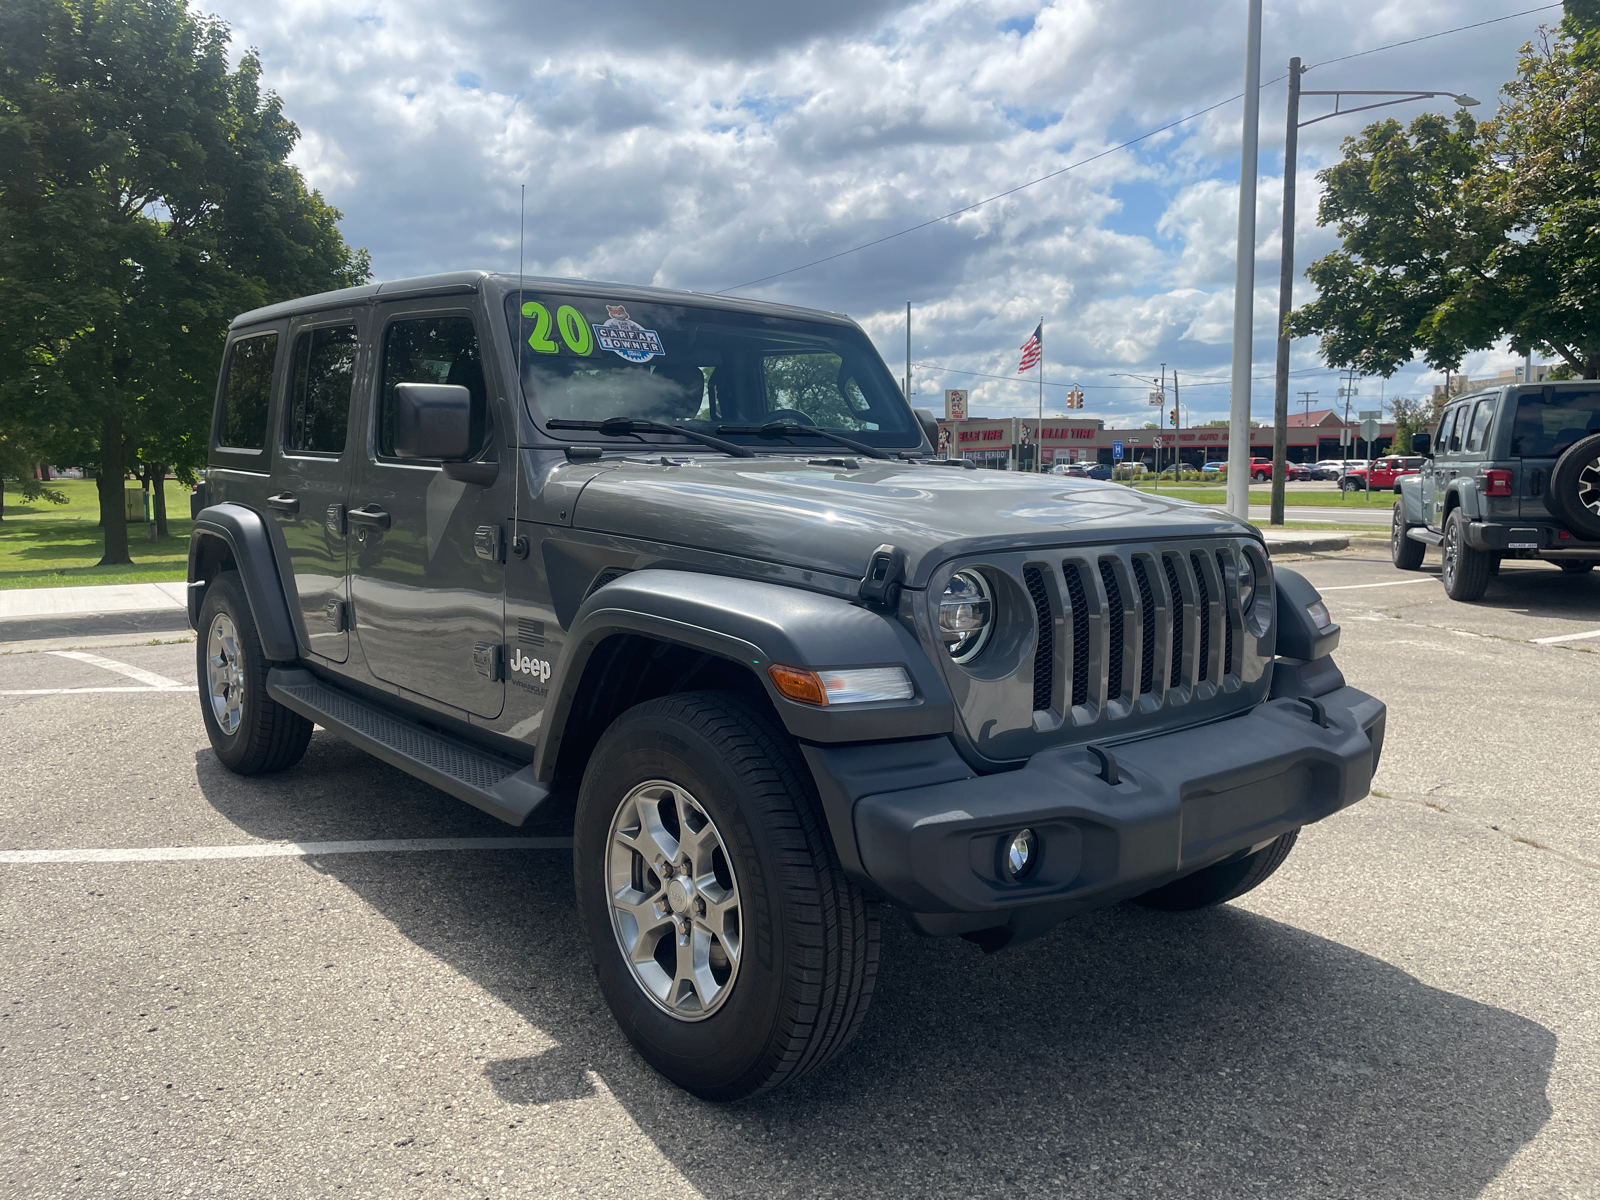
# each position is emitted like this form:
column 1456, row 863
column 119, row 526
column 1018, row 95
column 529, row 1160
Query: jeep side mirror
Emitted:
column 930, row 427
column 432, row 420
column 1421, row 444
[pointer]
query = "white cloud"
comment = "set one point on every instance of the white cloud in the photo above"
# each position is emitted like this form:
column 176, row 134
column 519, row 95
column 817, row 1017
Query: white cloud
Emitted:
column 709, row 143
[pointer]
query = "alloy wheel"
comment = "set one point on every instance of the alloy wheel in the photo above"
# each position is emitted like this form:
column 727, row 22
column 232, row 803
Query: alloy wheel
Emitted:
column 1451, row 551
column 1589, row 486
column 224, row 674
column 674, row 900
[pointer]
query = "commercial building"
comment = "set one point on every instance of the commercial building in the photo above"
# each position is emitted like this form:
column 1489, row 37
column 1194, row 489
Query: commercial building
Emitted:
column 1460, row 385
column 1000, row 443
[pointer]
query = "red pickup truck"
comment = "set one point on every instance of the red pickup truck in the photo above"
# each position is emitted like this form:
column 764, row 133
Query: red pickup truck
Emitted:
column 1380, row 473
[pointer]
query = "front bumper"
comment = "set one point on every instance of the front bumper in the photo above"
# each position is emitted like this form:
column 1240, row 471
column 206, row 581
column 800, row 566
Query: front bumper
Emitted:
column 1184, row 800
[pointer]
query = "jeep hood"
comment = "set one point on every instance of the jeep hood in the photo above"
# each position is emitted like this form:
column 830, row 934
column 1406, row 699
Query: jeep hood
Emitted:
column 829, row 518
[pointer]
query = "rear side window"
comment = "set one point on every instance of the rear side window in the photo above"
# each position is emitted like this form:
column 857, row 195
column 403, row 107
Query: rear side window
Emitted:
column 1550, row 421
column 1447, row 430
column 1479, row 435
column 319, row 399
column 243, row 422
column 431, row 350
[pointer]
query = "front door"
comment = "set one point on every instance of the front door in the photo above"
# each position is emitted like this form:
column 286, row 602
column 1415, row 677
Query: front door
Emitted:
column 429, row 607
column 310, row 476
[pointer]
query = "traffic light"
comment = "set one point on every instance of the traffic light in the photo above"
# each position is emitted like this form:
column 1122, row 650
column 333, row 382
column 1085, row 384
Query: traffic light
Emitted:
column 1173, row 416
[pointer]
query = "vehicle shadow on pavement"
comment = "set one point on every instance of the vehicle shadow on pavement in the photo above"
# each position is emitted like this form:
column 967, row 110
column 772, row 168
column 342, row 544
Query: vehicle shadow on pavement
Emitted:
column 1129, row 1053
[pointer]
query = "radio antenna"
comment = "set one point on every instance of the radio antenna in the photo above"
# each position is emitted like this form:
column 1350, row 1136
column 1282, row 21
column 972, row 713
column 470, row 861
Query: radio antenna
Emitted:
column 516, row 392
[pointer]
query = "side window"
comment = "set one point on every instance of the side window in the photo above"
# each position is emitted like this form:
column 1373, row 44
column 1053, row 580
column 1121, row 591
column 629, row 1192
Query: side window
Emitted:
column 242, row 424
column 1447, row 431
column 817, row 387
column 1479, row 434
column 430, row 350
column 319, row 400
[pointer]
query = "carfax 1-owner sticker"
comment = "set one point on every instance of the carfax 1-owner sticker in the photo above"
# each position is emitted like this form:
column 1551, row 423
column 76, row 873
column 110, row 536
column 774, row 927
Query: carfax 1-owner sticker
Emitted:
column 624, row 336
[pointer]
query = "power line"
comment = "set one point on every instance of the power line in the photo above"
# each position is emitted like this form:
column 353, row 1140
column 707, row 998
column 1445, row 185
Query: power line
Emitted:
column 1113, row 387
column 888, row 237
column 1428, row 37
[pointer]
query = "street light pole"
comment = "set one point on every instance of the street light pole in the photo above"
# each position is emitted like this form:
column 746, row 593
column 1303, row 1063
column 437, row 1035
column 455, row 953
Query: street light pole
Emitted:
column 1280, row 388
column 1244, row 277
column 1291, row 149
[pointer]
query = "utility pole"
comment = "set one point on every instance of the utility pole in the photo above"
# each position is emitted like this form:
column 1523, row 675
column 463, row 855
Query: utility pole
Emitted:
column 1280, row 388
column 1177, row 402
column 1308, row 396
column 1244, row 276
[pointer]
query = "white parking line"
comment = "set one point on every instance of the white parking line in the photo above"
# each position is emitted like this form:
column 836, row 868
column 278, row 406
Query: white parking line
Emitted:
column 1350, row 587
column 1567, row 637
column 148, row 691
column 148, row 678
column 281, row 850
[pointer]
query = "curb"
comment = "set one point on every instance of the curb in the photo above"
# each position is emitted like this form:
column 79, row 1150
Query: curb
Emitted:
column 28, row 629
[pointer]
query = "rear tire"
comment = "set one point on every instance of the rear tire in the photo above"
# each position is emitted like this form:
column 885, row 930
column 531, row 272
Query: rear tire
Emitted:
column 1223, row 881
column 799, row 958
column 1576, row 568
column 1465, row 571
column 251, row 732
column 1406, row 552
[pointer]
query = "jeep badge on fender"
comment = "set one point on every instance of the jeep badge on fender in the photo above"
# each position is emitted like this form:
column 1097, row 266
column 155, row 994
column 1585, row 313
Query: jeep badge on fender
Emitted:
column 789, row 663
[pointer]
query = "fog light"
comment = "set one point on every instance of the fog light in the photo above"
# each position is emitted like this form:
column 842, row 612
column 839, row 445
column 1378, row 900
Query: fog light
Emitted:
column 1318, row 612
column 1020, row 853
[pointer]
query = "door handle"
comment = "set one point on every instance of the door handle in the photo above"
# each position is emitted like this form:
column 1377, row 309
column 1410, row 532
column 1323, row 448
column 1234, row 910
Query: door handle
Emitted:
column 284, row 502
column 368, row 514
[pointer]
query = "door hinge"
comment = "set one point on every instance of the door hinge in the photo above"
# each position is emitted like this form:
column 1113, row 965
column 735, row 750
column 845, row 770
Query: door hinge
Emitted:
column 490, row 543
column 489, row 660
column 335, row 520
column 333, row 613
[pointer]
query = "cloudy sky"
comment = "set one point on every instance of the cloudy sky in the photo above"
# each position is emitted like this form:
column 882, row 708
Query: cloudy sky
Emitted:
column 708, row 144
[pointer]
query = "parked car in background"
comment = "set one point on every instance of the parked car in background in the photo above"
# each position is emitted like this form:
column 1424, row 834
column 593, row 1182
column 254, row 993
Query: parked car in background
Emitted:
column 1221, row 468
column 1380, row 473
column 1297, row 472
column 1327, row 468
column 1509, row 473
column 1260, row 468
column 1075, row 470
column 1098, row 470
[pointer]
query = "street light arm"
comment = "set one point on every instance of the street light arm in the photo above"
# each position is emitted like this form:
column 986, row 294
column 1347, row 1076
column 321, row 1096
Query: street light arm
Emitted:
column 1401, row 97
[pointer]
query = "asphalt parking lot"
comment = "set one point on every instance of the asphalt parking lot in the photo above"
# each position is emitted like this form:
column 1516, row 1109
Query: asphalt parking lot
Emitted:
column 1409, row 1008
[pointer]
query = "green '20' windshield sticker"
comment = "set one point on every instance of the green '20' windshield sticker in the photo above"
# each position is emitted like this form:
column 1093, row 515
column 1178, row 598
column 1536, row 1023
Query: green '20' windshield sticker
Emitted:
column 569, row 322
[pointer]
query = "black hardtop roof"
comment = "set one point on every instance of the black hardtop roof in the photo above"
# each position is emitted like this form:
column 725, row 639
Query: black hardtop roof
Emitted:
column 459, row 282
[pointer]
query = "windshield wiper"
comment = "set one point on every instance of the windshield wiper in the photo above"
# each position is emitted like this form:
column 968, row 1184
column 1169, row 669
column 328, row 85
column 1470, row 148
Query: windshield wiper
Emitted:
column 622, row 426
column 788, row 429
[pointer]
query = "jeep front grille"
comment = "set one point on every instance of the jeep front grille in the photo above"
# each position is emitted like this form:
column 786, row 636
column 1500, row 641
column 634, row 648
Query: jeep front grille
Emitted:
column 1145, row 637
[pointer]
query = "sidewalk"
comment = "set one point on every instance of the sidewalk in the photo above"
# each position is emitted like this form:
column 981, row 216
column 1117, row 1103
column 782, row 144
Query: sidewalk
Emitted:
column 29, row 614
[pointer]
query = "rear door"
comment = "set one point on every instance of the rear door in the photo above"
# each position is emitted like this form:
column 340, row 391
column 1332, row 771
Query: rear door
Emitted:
column 1442, row 468
column 429, row 608
column 311, row 476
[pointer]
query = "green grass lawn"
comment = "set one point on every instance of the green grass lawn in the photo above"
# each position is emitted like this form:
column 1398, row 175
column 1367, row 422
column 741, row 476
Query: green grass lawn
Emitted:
column 58, row 545
column 1319, row 499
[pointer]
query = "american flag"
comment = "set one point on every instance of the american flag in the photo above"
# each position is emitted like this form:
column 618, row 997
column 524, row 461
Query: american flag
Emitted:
column 1032, row 349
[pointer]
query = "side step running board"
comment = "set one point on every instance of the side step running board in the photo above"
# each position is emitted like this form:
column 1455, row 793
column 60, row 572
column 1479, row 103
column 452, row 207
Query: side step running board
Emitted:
column 499, row 786
column 1421, row 533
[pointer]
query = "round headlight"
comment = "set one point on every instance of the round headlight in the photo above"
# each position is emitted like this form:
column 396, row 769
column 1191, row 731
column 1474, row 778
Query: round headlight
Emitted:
column 966, row 615
column 1247, row 582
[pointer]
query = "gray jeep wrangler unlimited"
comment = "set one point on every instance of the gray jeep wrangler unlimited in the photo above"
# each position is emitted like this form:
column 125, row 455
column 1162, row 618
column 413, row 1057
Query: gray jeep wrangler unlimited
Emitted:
column 1513, row 472
column 690, row 565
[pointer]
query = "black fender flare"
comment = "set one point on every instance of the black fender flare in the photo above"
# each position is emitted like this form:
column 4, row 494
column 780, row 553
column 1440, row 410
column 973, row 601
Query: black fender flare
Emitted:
column 244, row 531
column 755, row 624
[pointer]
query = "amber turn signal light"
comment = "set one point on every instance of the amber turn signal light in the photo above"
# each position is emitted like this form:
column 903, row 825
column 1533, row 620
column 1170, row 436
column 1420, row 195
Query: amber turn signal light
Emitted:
column 796, row 684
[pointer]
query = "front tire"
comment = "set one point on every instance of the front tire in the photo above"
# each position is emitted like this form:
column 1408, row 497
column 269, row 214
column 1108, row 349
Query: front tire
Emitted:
column 1223, row 881
column 251, row 732
column 1406, row 552
column 729, row 944
column 1465, row 571
column 1576, row 568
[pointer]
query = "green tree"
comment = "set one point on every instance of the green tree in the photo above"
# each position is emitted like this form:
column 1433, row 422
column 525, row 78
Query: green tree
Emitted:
column 1458, row 234
column 145, row 198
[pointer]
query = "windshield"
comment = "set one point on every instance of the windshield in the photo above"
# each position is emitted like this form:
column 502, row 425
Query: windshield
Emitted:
column 1549, row 421
column 587, row 360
